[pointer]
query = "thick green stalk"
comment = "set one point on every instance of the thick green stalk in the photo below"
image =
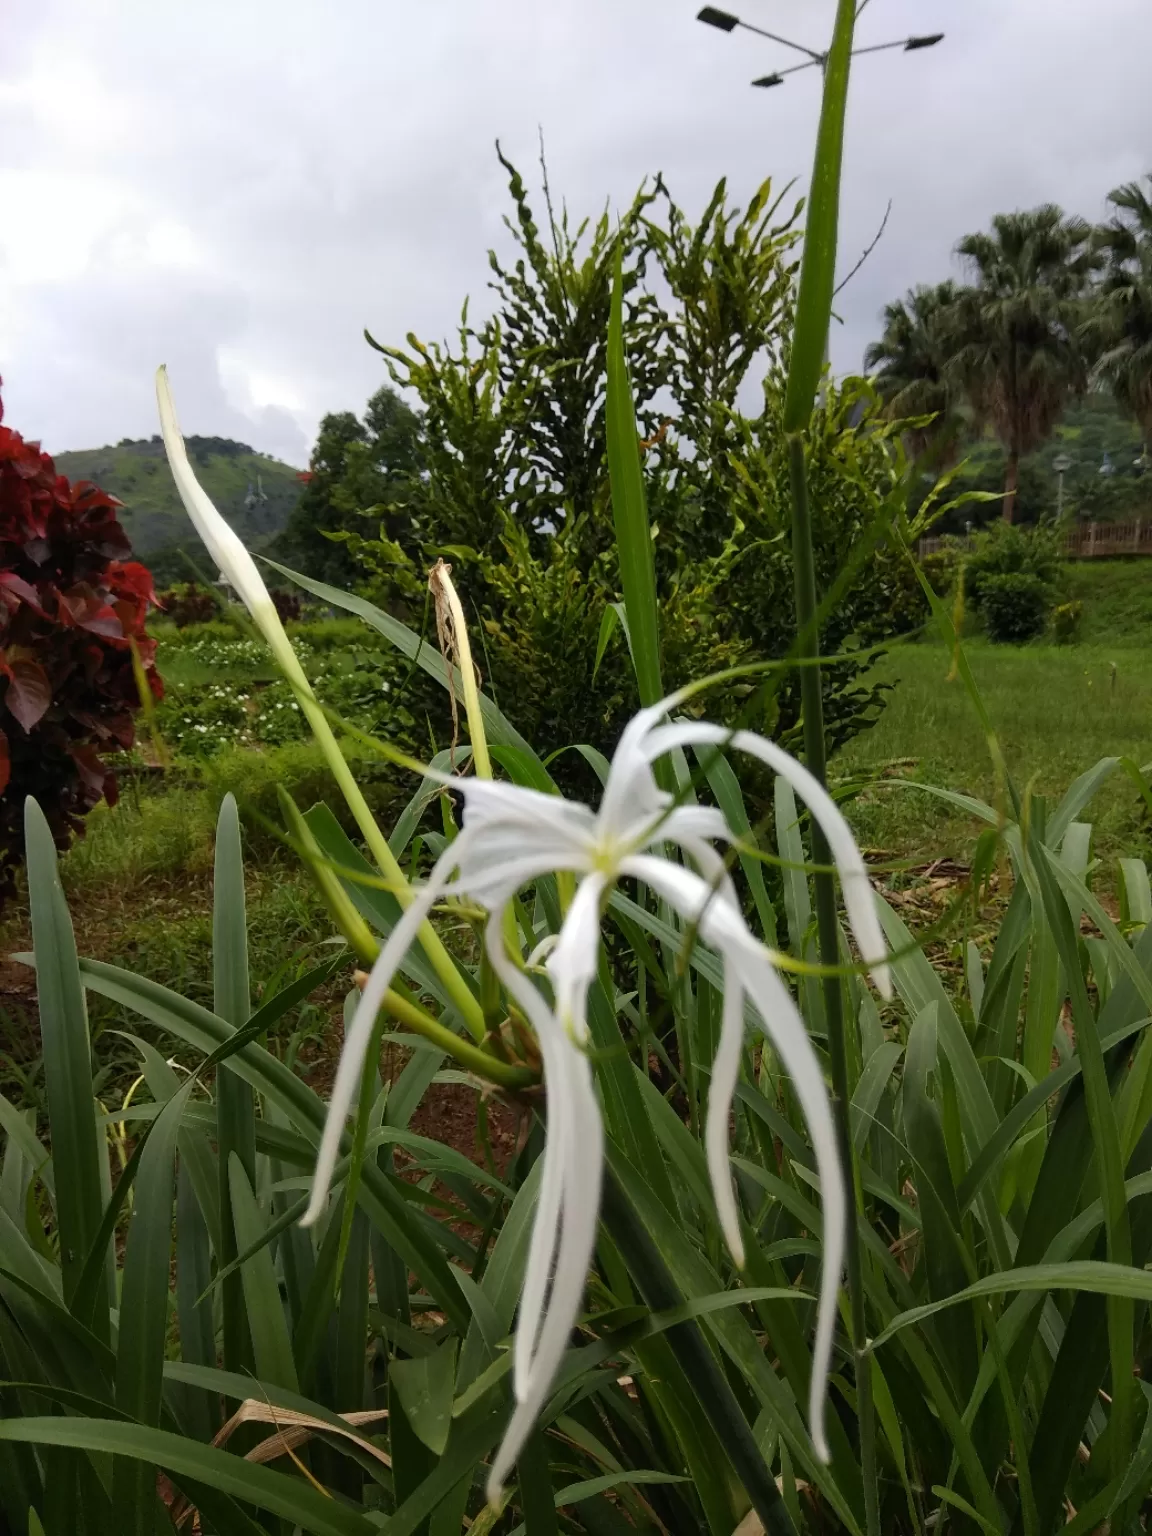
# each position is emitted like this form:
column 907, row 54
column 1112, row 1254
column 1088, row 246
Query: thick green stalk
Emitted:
column 439, row 958
column 650, row 1274
column 828, row 931
column 809, row 348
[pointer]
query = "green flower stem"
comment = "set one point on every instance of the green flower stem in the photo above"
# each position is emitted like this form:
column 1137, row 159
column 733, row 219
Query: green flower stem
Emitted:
column 439, row 958
column 828, row 931
column 240, row 569
column 440, row 582
column 470, row 1057
column 365, row 947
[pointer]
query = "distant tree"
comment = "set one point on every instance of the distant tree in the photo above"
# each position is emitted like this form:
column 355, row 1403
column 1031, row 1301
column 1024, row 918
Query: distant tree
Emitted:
column 362, row 473
column 911, row 362
column 1017, row 347
column 1119, row 330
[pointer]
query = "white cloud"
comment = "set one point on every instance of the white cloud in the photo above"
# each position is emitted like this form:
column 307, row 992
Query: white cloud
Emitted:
column 240, row 189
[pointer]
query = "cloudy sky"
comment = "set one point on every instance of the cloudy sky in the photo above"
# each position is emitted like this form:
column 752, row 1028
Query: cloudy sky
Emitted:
column 238, row 187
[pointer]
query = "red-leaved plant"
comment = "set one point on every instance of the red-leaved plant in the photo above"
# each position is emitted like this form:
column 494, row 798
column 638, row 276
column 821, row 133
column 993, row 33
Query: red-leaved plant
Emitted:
column 71, row 608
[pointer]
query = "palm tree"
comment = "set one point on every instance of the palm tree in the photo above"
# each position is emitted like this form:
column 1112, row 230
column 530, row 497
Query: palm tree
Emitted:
column 1119, row 329
column 1017, row 330
column 911, row 362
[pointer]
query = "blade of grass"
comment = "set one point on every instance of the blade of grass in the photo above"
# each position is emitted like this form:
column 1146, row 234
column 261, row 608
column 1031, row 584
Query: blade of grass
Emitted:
column 290, row 1498
column 821, row 228
column 67, row 1067
column 709, row 1382
column 144, row 1310
column 193, row 1277
column 272, row 1348
column 1109, row 1157
column 235, row 1101
column 206, row 1032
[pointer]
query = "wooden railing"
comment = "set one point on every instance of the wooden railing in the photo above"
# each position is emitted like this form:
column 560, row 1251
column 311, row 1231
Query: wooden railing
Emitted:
column 1090, row 541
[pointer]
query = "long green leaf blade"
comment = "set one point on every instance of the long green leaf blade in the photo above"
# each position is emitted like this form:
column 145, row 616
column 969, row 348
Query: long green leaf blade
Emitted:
column 144, row 1313
column 67, row 1065
column 288, row 1497
column 235, row 1103
column 818, row 266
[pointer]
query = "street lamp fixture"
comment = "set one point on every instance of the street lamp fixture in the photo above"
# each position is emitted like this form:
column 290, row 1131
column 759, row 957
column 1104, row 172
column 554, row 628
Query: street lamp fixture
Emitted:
column 725, row 21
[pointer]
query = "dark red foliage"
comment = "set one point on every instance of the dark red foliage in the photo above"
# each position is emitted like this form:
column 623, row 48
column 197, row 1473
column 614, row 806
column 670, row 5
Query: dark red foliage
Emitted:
column 187, row 603
column 71, row 604
column 287, row 606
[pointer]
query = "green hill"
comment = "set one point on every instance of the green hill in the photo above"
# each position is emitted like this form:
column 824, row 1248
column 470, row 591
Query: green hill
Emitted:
column 254, row 492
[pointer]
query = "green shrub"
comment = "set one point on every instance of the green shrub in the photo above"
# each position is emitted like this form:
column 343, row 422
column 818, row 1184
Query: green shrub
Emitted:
column 1004, row 549
column 1066, row 621
column 1015, row 606
column 515, row 492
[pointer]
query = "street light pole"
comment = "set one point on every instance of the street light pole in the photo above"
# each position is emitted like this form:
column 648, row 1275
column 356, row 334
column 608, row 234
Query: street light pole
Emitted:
column 724, row 21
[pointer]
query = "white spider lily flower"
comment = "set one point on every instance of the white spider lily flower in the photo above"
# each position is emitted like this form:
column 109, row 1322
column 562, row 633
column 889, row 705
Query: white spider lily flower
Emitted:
column 512, row 836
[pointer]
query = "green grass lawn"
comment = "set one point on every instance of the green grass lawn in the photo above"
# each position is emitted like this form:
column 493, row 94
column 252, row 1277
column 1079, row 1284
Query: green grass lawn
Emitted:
column 1056, row 711
column 1117, row 598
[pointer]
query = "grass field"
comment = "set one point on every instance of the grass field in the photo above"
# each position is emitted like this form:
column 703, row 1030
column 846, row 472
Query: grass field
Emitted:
column 1117, row 598
column 1056, row 711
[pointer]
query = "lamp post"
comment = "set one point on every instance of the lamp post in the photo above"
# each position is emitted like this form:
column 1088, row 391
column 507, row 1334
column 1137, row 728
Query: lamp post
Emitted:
column 724, row 21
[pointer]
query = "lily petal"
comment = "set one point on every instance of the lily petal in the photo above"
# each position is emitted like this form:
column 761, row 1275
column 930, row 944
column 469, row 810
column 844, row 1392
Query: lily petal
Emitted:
column 347, row 1085
column 726, row 1062
column 583, row 1161
column 725, row 1075
column 859, row 901
column 724, row 928
column 572, row 966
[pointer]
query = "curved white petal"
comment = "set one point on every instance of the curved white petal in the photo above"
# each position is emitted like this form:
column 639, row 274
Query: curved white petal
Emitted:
column 493, row 800
column 572, row 963
column 556, row 1155
column 356, row 1041
column 221, row 542
column 725, row 1075
column 550, row 1324
column 726, row 1063
column 724, row 928
column 859, row 901
column 694, row 821
column 631, row 789
column 493, row 880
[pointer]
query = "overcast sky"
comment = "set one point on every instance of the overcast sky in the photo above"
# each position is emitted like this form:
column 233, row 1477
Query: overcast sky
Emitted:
column 239, row 187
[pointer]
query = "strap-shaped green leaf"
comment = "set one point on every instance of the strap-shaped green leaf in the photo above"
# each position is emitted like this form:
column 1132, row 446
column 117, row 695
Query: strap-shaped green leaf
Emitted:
column 67, row 1065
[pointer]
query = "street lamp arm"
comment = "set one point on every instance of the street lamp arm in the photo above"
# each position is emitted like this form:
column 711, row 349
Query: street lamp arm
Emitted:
column 814, row 57
column 726, row 22
column 907, row 43
column 777, row 75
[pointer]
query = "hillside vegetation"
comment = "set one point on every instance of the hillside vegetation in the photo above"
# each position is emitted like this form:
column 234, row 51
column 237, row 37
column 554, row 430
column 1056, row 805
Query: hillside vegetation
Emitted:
column 254, row 492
